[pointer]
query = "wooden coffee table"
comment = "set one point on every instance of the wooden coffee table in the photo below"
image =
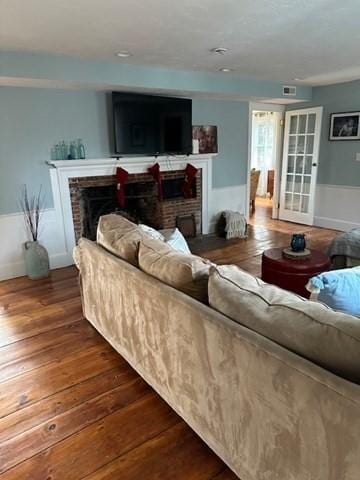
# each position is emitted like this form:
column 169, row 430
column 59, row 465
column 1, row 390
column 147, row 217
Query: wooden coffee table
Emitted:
column 292, row 274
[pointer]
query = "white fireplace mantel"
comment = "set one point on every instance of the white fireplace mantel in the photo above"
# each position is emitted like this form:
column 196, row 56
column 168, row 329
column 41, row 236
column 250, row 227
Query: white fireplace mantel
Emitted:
column 62, row 170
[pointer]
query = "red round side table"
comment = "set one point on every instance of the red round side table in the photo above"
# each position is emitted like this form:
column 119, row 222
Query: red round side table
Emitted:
column 291, row 274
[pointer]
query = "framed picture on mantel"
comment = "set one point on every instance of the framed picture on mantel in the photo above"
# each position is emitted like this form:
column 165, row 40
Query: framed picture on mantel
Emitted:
column 345, row 126
column 206, row 138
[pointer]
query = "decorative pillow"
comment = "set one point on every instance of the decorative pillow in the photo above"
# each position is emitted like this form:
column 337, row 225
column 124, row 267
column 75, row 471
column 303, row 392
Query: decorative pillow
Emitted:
column 120, row 237
column 176, row 240
column 312, row 330
column 339, row 289
column 151, row 232
column 182, row 271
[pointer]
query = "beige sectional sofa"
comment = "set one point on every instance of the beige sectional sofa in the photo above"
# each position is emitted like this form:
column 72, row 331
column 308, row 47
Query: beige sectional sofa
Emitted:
column 269, row 408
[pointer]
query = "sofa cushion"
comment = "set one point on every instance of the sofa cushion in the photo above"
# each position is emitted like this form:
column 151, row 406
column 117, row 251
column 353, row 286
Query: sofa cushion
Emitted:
column 120, row 237
column 339, row 289
column 176, row 240
column 312, row 330
column 151, row 232
column 182, row 271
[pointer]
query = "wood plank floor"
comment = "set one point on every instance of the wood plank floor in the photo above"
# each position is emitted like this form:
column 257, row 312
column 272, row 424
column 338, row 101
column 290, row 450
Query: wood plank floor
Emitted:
column 71, row 408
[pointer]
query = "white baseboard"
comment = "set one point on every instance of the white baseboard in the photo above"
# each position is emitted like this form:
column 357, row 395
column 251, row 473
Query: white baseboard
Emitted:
column 13, row 236
column 337, row 207
column 334, row 224
column 226, row 198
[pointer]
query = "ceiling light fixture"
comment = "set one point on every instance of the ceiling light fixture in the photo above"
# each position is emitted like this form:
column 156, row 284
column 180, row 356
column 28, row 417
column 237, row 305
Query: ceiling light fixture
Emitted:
column 297, row 79
column 219, row 50
column 225, row 70
column 123, row 54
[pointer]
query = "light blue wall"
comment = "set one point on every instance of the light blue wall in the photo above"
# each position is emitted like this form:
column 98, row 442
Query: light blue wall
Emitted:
column 337, row 165
column 231, row 118
column 32, row 120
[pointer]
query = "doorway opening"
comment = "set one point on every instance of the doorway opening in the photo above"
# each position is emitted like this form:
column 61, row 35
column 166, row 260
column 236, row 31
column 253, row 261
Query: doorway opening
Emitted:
column 264, row 164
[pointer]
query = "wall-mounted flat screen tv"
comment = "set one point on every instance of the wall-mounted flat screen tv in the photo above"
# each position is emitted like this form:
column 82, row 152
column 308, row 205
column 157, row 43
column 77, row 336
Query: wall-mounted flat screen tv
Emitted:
column 151, row 125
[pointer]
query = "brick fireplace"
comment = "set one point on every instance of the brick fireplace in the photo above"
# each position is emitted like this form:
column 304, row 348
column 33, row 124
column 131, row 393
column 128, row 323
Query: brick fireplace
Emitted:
column 68, row 177
column 94, row 196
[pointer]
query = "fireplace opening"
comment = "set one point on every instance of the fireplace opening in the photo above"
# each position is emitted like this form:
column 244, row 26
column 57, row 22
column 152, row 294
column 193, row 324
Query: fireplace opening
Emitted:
column 92, row 197
column 173, row 188
column 141, row 205
column 95, row 202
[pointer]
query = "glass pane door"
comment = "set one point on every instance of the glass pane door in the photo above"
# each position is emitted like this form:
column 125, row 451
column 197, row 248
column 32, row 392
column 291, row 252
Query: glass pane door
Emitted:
column 301, row 145
column 300, row 156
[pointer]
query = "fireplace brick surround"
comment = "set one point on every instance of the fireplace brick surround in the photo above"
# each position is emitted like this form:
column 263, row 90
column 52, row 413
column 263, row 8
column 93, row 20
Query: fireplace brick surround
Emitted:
column 166, row 210
column 69, row 174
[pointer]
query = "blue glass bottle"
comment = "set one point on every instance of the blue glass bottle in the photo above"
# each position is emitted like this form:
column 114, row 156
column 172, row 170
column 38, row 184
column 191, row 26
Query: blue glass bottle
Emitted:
column 80, row 149
column 64, row 150
column 58, row 154
column 53, row 153
column 73, row 151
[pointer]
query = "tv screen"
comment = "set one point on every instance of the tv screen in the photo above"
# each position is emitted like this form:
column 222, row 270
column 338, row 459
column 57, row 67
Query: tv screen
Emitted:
column 151, row 125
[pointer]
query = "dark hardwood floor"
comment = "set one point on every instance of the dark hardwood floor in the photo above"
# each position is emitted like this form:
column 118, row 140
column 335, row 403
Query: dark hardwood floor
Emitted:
column 263, row 233
column 71, row 408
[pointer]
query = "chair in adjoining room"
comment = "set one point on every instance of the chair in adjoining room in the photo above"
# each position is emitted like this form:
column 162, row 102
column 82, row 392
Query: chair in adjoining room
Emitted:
column 254, row 181
column 270, row 183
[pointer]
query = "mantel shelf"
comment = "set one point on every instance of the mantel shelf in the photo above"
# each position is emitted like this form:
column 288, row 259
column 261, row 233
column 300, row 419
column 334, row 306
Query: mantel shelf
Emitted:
column 163, row 160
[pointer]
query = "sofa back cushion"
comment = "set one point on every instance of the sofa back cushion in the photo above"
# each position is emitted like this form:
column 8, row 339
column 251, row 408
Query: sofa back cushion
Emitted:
column 120, row 237
column 312, row 330
column 182, row 271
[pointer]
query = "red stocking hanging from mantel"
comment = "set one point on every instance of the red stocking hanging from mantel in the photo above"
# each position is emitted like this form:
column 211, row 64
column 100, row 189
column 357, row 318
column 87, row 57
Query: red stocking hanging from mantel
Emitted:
column 155, row 172
column 190, row 173
column 121, row 176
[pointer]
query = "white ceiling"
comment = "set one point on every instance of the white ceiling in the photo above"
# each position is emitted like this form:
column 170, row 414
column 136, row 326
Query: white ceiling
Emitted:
column 315, row 40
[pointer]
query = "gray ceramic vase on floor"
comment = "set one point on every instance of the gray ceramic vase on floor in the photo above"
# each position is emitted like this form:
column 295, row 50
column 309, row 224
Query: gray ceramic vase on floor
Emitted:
column 36, row 260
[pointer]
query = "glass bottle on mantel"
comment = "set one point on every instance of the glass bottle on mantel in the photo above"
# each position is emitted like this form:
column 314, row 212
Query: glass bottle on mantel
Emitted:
column 80, row 149
column 73, row 151
column 64, row 150
column 58, row 155
column 53, row 153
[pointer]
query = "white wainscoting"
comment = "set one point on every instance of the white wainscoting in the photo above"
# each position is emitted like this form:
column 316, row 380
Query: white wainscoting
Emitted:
column 337, row 207
column 226, row 198
column 13, row 235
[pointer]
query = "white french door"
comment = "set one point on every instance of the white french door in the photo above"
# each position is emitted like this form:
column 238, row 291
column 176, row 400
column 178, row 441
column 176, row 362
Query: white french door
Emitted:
column 300, row 165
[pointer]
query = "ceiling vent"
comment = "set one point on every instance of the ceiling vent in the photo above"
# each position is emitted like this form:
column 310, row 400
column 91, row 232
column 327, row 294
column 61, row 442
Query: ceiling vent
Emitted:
column 289, row 91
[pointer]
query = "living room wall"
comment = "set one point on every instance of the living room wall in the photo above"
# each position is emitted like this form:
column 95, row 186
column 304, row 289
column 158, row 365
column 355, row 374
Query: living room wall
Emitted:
column 338, row 185
column 33, row 119
column 231, row 118
column 337, row 158
column 337, row 164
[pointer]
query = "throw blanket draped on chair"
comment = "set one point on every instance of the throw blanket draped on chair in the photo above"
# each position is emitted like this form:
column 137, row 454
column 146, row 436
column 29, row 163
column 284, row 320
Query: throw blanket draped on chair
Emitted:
column 235, row 224
column 347, row 244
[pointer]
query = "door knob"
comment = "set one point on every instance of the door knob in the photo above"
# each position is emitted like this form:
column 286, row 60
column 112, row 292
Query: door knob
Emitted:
column 314, row 164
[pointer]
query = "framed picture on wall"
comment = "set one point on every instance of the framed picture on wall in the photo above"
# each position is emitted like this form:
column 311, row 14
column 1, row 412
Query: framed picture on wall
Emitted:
column 345, row 126
column 206, row 135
